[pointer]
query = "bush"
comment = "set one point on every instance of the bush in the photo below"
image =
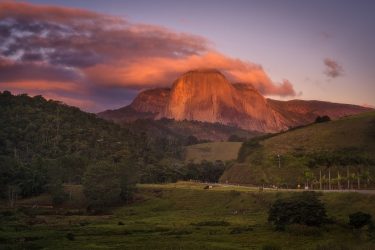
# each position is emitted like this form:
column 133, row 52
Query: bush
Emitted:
column 212, row 223
column 70, row 236
column 240, row 230
column 358, row 220
column 305, row 209
column 58, row 194
column 324, row 118
column 271, row 246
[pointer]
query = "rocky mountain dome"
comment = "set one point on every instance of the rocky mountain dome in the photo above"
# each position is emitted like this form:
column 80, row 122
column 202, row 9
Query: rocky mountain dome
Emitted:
column 206, row 95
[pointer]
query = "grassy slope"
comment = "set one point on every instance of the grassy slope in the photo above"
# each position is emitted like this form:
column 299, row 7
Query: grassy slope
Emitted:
column 347, row 132
column 355, row 132
column 165, row 218
column 213, row 151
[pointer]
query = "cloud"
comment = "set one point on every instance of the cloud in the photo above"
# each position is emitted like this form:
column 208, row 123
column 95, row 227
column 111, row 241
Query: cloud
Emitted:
column 146, row 72
column 80, row 54
column 332, row 68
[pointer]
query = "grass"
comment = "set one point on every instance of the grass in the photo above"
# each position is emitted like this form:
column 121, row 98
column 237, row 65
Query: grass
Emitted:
column 185, row 216
column 347, row 132
column 352, row 135
column 212, row 151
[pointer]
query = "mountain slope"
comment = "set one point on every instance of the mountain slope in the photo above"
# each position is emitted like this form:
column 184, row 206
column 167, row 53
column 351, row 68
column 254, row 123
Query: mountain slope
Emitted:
column 206, row 95
column 184, row 130
column 348, row 141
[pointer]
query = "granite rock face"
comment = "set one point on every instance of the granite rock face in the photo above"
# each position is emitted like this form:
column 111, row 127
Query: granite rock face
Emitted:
column 206, row 95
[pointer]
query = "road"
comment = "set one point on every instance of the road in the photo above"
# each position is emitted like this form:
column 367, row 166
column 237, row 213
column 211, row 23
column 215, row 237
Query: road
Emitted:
column 362, row 191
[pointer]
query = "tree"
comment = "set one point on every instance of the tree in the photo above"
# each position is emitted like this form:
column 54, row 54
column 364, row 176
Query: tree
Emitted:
column 324, row 118
column 57, row 192
column 128, row 173
column 101, row 184
column 191, row 140
column 359, row 219
column 305, row 209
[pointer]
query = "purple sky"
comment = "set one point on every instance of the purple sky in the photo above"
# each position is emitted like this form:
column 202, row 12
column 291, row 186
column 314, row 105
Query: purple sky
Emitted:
column 307, row 49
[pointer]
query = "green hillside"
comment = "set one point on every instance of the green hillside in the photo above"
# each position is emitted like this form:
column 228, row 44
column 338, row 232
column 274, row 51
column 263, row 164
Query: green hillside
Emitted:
column 212, row 151
column 345, row 147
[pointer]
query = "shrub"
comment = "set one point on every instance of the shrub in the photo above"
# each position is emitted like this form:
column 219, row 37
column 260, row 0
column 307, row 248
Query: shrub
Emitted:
column 305, row 209
column 271, row 246
column 240, row 230
column 359, row 219
column 212, row 223
column 58, row 194
column 324, row 118
column 70, row 236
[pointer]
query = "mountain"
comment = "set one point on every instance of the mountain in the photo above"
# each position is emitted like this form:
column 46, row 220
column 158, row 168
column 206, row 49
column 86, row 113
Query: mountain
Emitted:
column 342, row 146
column 206, row 95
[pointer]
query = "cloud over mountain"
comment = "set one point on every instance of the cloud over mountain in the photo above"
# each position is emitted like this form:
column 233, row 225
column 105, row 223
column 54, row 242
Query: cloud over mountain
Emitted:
column 104, row 60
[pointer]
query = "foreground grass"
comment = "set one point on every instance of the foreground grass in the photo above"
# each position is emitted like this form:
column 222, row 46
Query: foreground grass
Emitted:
column 185, row 216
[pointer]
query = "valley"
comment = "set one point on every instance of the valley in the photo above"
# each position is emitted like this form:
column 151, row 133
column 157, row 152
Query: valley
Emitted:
column 187, row 125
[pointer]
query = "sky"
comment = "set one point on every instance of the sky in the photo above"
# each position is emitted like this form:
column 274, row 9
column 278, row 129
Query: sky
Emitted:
column 99, row 54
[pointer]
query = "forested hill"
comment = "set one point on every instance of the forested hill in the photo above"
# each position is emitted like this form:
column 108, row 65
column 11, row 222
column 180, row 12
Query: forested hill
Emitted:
column 44, row 141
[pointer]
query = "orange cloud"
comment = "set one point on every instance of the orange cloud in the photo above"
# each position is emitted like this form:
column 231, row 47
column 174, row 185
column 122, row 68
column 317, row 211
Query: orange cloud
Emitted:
column 151, row 72
column 42, row 85
column 76, row 54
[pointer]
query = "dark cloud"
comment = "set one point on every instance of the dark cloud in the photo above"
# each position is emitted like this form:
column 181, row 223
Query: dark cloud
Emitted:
column 332, row 68
column 101, row 54
column 13, row 71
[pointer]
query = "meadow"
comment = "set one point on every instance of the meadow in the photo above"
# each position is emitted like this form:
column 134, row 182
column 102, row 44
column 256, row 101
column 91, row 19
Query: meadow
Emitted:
column 180, row 215
column 212, row 151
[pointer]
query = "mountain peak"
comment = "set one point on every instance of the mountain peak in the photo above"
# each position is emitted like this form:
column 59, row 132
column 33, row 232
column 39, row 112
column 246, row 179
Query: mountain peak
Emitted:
column 205, row 94
column 204, row 70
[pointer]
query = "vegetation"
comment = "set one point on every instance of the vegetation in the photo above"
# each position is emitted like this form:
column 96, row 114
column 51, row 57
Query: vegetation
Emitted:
column 101, row 185
column 331, row 155
column 185, row 131
column 359, row 219
column 305, row 209
column 167, row 216
column 163, row 173
column 44, row 144
column 324, row 118
column 61, row 166
column 212, row 151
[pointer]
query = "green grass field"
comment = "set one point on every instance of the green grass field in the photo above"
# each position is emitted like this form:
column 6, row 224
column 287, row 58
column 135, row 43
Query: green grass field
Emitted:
column 182, row 216
column 349, row 134
column 213, row 151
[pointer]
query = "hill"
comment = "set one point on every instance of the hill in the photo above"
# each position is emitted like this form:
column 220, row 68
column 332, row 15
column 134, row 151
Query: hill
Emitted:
column 206, row 95
column 344, row 148
column 213, row 151
column 43, row 140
